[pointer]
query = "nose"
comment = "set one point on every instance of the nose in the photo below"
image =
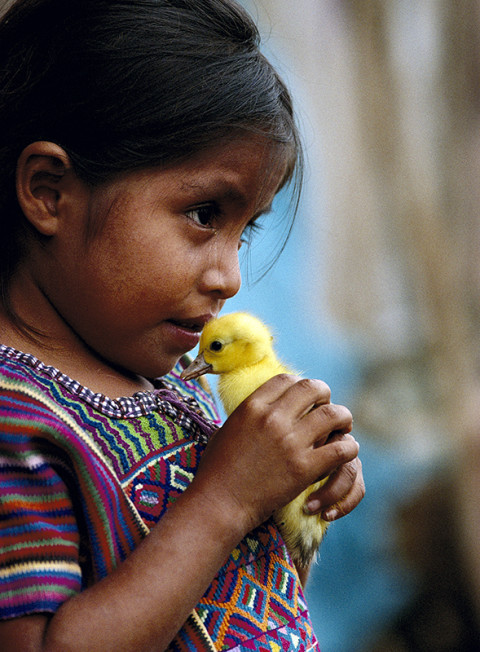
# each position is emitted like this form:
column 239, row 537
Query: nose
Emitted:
column 222, row 275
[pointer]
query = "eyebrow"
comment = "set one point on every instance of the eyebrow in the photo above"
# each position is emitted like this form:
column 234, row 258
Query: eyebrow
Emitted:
column 222, row 188
column 226, row 191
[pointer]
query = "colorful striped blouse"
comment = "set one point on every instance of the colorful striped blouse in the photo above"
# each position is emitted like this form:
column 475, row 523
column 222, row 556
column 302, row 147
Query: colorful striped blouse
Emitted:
column 84, row 477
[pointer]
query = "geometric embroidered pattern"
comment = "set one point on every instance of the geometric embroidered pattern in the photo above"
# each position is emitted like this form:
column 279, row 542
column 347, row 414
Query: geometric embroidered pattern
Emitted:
column 285, row 639
column 146, row 452
column 155, row 488
column 256, row 601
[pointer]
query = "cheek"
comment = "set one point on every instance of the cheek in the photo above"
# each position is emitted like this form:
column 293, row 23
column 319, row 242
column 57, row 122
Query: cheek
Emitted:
column 144, row 261
column 151, row 280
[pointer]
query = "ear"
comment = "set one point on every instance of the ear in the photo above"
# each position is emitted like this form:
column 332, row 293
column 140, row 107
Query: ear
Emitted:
column 40, row 181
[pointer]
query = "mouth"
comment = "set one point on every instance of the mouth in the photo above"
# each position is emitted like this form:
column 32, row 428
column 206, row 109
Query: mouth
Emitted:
column 194, row 325
column 183, row 334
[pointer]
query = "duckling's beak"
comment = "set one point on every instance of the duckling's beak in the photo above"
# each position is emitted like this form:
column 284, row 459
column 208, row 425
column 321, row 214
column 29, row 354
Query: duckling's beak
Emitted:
column 197, row 368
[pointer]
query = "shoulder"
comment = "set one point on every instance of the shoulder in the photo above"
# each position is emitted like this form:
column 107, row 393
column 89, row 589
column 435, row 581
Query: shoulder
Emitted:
column 30, row 417
column 20, row 394
column 23, row 375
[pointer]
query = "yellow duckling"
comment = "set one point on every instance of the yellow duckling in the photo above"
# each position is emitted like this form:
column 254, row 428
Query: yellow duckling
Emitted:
column 239, row 347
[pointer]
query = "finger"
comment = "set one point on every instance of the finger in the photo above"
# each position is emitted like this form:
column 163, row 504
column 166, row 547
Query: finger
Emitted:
column 348, row 502
column 332, row 455
column 336, row 487
column 342, row 492
column 306, row 394
column 327, row 421
column 274, row 388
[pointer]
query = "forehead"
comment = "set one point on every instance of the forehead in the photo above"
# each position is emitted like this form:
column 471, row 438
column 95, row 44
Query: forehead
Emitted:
column 239, row 169
column 246, row 171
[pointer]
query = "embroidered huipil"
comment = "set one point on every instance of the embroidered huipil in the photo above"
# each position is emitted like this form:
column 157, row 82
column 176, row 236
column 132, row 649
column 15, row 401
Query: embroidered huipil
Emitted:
column 82, row 480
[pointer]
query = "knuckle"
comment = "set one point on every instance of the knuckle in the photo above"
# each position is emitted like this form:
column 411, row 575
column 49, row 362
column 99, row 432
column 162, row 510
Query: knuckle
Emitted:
column 329, row 411
column 254, row 404
column 285, row 378
column 306, row 383
column 338, row 453
column 340, row 416
column 349, row 470
column 319, row 387
column 272, row 422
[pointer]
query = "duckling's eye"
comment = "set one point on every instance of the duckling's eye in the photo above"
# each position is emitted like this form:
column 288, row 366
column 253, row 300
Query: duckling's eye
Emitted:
column 216, row 345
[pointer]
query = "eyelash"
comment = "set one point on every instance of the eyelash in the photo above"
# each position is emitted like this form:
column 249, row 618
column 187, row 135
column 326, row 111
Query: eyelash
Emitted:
column 212, row 210
column 250, row 230
column 214, row 213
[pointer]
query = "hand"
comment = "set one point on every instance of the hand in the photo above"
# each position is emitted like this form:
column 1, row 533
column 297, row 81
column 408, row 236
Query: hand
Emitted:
column 272, row 447
column 342, row 492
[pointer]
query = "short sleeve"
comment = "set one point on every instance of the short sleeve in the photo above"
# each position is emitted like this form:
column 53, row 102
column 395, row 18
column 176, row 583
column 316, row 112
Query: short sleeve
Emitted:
column 39, row 536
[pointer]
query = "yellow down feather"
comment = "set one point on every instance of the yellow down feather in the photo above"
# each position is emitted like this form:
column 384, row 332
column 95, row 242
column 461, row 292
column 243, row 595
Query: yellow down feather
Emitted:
column 239, row 347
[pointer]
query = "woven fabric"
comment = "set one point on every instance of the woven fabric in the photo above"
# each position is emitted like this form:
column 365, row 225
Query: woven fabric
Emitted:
column 256, row 601
column 82, row 479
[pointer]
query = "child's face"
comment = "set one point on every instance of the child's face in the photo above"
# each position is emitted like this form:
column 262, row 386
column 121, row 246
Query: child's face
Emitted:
column 166, row 257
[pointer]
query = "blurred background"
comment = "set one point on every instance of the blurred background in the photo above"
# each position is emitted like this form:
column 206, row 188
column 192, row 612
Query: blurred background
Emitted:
column 377, row 292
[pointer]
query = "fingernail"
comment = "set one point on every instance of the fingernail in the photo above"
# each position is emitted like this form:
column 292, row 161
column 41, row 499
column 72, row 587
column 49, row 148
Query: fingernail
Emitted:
column 330, row 514
column 312, row 506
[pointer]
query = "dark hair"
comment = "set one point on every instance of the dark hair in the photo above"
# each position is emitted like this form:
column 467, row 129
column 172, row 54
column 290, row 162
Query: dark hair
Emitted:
column 125, row 84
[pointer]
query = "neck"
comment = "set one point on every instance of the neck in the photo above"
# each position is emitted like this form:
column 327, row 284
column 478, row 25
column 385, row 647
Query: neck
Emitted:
column 75, row 360
column 58, row 346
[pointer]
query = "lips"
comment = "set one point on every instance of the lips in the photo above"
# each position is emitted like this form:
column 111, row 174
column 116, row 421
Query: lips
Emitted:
column 195, row 324
column 195, row 327
column 184, row 333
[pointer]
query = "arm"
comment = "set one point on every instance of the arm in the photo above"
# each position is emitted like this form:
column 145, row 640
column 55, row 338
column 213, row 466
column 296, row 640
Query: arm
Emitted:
column 145, row 601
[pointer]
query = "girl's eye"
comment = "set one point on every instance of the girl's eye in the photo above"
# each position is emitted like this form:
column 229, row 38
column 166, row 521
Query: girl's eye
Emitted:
column 204, row 215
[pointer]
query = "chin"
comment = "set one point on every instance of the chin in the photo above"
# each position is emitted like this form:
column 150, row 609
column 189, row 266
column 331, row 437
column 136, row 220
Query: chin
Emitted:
column 147, row 368
column 152, row 371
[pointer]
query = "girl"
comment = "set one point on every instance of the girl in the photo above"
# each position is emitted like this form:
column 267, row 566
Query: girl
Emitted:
column 141, row 140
